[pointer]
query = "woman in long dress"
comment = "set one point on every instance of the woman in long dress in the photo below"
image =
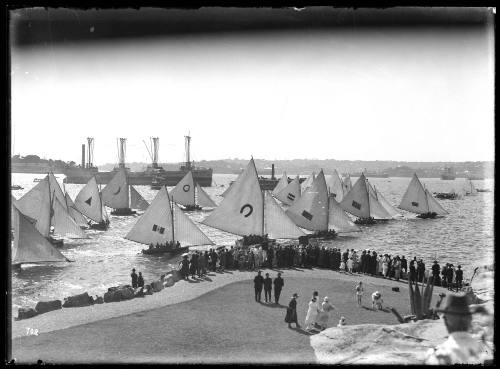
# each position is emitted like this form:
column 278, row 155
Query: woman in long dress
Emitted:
column 291, row 312
column 312, row 313
column 324, row 314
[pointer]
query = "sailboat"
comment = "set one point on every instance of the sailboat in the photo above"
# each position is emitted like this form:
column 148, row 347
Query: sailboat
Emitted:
column 164, row 227
column 308, row 182
column 335, row 186
column 361, row 201
column 89, row 203
column 117, row 195
column 283, row 182
column 247, row 210
column 184, row 193
column 290, row 193
column 346, row 183
column 386, row 204
column 29, row 245
column 319, row 212
column 469, row 187
column 419, row 200
column 75, row 214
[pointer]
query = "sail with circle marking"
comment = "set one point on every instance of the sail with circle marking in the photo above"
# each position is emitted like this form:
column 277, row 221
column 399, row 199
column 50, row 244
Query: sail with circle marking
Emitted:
column 338, row 219
column 136, row 200
column 415, row 197
column 335, row 186
column 308, row 182
column 186, row 232
column 29, row 245
column 356, row 201
column 311, row 210
column 75, row 214
column 88, row 202
column 242, row 210
column 276, row 223
column 434, row 205
column 116, row 193
column 204, row 199
column 347, row 184
column 283, row 182
column 183, row 192
column 63, row 223
column 290, row 193
column 386, row 204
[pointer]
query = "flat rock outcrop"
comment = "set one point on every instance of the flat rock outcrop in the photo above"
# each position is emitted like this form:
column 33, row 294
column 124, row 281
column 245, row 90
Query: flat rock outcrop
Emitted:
column 26, row 313
column 82, row 299
column 46, row 306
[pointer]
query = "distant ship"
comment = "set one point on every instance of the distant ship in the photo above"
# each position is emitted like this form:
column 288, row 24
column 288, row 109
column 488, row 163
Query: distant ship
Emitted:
column 153, row 175
column 371, row 174
column 448, row 174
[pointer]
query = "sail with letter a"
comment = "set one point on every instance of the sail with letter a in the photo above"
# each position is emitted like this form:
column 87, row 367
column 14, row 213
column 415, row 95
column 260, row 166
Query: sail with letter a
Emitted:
column 183, row 192
column 136, row 200
column 88, row 202
column 116, row 193
column 335, row 187
column 290, row 193
column 338, row 219
column 203, row 199
column 283, row 182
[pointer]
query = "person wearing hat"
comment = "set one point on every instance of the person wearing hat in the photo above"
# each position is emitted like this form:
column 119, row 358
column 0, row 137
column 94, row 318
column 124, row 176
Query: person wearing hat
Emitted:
column 134, row 278
column 291, row 312
column 278, row 285
column 449, row 277
column 435, row 273
column 312, row 311
column 324, row 314
column 268, row 286
column 377, row 300
column 459, row 276
column 460, row 347
column 258, row 283
column 341, row 322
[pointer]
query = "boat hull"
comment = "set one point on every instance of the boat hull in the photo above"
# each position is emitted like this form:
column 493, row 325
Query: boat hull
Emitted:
column 165, row 250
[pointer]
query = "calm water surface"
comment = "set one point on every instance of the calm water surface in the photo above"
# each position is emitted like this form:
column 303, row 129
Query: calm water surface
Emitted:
column 465, row 237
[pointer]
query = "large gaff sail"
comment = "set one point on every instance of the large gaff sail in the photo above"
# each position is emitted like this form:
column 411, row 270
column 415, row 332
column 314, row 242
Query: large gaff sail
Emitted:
column 308, row 182
column 387, row 205
column 183, row 192
column 335, row 186
column 434, row 206
column 242, row 210
column 357, row 201
column 311, row 210
column 29, row 245
column 290, row 193
column 88, row 201
column 116, row 193
column 415, row 198
column 276, row 223
column 338, row 219
column 136, row 200
column 75, row 214
column 155, row 225
column 283, row 182
column 203, row 199
column 347, row 184
column 186, row 232
column 63, row 223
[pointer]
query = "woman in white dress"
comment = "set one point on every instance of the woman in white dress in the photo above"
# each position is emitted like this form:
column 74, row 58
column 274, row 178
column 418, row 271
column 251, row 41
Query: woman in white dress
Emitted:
column 312, row 312
column 324, row 314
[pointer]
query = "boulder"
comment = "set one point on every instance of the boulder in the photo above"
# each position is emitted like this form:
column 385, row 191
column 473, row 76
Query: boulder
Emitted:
column 148, row 290
column 139, row 292
column 98, row 300
column 82, row 299
column 120, row 293
column 176, row 275
column 157, row 286
column 25, row 313
column 111, row 296
column 46, row 306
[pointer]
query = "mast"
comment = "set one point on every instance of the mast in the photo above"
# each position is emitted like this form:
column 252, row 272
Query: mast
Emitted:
column 172, row 216
column 187, row 147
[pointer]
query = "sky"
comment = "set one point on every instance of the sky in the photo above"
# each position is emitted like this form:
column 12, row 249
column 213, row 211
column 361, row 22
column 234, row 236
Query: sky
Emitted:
column 423, row 94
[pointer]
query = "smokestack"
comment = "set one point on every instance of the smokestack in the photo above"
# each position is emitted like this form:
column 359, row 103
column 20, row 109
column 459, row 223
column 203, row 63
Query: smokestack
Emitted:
column 83, row 155
column 272, row 171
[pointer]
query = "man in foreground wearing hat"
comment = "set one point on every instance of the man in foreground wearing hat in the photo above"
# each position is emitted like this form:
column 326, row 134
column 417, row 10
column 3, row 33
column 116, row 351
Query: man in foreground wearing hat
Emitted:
column 291, row 312
column 258, row 283
column 460, row 347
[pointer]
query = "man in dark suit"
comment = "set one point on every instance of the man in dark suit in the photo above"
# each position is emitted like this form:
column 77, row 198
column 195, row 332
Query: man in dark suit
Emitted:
column 258, row 283
column 278, row 285
column 134, row 278
column 459, row 276
column 268, row 286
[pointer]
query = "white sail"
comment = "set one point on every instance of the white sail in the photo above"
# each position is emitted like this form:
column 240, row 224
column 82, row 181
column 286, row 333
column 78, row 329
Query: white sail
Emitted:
column 290, row 193
column 415, row 198
column 387, row 206
column 308, row 182
column 226, row 191
column 155, row 225
column 242, row 210
column 311, row 210
column 276, row 223
column 434, row 205
column 29, row 245
column 75, row 214
column 335, row 187
column 377, row 211
column 183, row 192
column 186, row 232
column 63, row 223
column 283, row 182
column 44, row 215
column 347, row 184
column 203, row 199
column 338, row 219
column 136, row 200
column 357, row 201
column 30, row 203
column 88, row 201
column 55, row 188
column 116, row 193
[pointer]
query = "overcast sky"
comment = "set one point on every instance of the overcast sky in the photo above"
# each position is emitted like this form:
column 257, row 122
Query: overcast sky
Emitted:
column 411, row 95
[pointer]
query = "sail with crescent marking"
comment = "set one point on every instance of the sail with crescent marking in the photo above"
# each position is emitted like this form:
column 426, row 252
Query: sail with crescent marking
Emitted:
column 276, row 223
column 415, row 197
column 116, row 193
column 186, row 232
column 63, row 223
column 204, row 199
column 311, row 210
column 75, row 214
column 387, row 205
column 29, row 245
column 434, row 205
column 136, row 200
column 183, row 192
column 335, row 186
column 290, row 193
column 308, row 182
column 338, row 219
column 356, row 201
column 242, row 210
column 283, row 182
column 88, row 201
column 347, row 184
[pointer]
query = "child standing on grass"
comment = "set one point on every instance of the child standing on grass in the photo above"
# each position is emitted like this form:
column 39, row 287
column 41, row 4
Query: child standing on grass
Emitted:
column 349, row 265
column 342, row 265
column 359, row 292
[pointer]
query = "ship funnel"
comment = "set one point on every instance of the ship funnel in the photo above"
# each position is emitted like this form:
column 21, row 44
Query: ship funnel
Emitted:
column 121, row 152
column 187, row 148
column 272, row 171
column 90, row 149
column 155, row 148
column 83, row 155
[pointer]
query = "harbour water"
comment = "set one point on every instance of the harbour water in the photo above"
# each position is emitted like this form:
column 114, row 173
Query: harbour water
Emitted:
column 465, row 236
